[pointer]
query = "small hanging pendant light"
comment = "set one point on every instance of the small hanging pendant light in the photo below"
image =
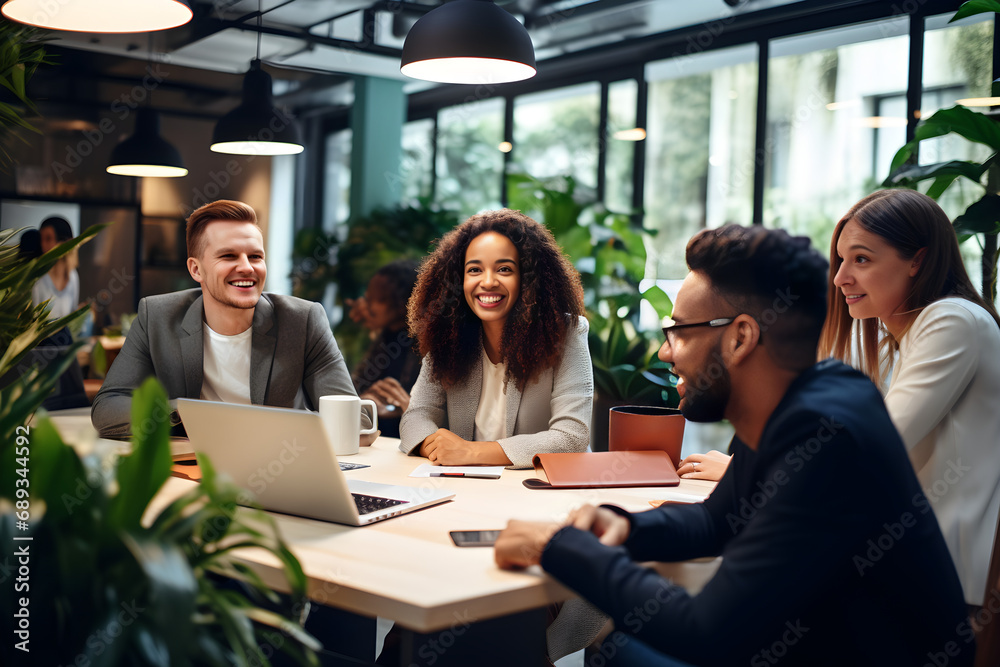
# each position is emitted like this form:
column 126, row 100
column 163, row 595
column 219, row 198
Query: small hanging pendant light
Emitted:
column 256, row 127
column 146, row 153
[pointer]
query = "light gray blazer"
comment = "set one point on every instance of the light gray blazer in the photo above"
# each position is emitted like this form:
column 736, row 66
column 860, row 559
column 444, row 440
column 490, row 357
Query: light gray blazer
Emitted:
column 294, row 358
column 551, row 415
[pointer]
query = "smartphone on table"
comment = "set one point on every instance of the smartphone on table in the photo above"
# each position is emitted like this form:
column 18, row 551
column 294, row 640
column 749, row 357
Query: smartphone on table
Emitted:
column 474, row 538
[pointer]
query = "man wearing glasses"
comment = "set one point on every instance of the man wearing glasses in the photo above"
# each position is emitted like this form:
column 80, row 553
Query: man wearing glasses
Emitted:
column 829, row 557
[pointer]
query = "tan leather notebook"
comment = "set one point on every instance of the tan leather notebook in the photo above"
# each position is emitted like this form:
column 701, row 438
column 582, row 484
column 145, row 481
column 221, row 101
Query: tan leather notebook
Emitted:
column 596, row 470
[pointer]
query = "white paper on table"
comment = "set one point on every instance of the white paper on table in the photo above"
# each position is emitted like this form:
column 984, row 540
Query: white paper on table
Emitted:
column 425, row 470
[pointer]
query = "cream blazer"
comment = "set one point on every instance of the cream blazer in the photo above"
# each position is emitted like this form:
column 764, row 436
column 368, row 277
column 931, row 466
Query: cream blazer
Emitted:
column 944, row 398
column 551, row 415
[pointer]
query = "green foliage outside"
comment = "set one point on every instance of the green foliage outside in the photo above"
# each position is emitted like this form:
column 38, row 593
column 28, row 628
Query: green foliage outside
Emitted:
column 981, row 219
column 609, row 252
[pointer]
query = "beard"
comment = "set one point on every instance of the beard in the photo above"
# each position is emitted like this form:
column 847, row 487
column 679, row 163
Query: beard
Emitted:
column 224, row 298
column 705, row 400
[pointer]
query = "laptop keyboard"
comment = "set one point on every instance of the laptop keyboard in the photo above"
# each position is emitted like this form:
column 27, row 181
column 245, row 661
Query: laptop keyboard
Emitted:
column 369, row 504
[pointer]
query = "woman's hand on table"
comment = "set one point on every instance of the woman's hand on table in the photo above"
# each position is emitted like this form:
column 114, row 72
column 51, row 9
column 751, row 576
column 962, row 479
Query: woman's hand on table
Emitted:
column 710, row 466
column 521, row 543
column 444, row 448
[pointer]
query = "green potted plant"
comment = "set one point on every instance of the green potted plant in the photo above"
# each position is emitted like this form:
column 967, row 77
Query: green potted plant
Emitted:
column 108, row 581
column 982, row 217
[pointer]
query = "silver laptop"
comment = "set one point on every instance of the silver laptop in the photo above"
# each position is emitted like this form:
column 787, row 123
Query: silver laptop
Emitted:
column 286, row 460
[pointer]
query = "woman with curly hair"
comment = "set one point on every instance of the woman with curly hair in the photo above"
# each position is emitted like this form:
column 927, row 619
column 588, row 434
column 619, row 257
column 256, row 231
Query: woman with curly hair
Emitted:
column 498, row 315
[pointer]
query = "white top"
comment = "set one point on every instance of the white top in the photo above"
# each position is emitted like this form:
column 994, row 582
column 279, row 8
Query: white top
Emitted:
column 945, row 400
column 491, row 417
column 63, row 302
column 226, row 369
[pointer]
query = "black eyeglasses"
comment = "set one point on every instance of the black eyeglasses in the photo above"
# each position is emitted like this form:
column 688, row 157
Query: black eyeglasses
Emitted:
column 671, row 327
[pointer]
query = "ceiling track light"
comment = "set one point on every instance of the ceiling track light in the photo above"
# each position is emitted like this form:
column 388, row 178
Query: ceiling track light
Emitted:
column 102, row 16
column 146, row 153
column 468, row 41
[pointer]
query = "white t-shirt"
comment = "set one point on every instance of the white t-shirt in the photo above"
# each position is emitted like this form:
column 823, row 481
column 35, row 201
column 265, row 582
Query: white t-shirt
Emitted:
column 491, row 417
column 62, row 302
column 227, row 367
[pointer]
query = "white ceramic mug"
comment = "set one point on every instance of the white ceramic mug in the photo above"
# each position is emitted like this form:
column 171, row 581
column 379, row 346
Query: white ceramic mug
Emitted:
column 341, row 417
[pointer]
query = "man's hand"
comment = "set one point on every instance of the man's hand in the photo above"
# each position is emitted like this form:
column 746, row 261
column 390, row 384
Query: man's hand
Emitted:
column 444, row 448
column 611, row 529
column 521, row 544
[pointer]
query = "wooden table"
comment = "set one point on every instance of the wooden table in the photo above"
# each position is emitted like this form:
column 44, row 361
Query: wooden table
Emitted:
column 453, row 603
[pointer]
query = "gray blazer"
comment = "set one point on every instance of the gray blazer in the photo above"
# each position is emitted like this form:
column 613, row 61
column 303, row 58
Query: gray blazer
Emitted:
column 551, row 415
column 166, row 340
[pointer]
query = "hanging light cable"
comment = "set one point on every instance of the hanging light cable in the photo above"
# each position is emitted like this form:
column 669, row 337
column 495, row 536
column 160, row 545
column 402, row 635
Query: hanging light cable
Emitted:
column 256, row 126
column 146, row 153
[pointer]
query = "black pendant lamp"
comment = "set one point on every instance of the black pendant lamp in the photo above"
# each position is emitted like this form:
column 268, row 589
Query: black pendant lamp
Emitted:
column 146, row 153
column 468, row 41
column 256, row 126
column 102, row 16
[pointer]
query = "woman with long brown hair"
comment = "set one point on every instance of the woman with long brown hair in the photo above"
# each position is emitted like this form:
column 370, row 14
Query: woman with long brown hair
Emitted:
column 61, row 285
column 901, row 304
column 498, row 315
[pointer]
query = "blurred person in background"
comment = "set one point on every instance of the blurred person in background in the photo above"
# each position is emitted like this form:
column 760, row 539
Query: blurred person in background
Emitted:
column 61, row 285
column 391, row 365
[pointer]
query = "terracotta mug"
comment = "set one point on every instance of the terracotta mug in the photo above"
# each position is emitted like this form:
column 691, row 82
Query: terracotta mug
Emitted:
column 641, row 427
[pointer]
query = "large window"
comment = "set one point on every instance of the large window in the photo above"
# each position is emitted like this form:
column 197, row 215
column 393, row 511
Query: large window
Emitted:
column 469, row 161
column 832, row 117
column 699, row 149
column 555, row 133
column 417, row 167
column 337, row 179
column 958, row 64
column 620, row 142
